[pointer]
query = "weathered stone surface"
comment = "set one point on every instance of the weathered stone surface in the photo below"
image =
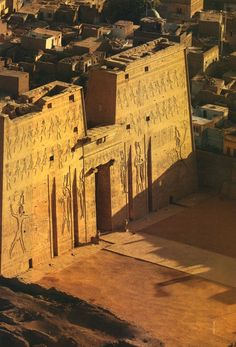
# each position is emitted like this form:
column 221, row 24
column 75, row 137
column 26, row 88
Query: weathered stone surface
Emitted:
column 61, row 183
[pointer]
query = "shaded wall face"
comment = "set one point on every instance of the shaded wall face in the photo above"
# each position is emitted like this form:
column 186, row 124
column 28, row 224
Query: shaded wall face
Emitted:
column 38, row 183
column 231, row 32
column 14, row 85
column 215, row 170
column 185, row 10
column 209, row 28
column 195, row 63
column 101, row 98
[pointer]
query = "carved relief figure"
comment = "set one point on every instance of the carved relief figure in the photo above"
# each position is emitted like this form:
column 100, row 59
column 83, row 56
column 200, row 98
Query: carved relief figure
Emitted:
column 179, row 142
column 65, row 201
column 37, row 163
column 139, row 166
column 67, row 151
column 123, row 171
column 36, row 131
column 8, row 177
column 51, row 128
column 22, row 140
column 59, row 155
column 20, row 217
column 81, row 194
column 16, row 141
column 58, row 127
column 17, row 170
column 8, row 149
column 44, row 159
column 29, row 138
column 30, row 165
column 23, row 168
column 43, row 130
column 67, row 122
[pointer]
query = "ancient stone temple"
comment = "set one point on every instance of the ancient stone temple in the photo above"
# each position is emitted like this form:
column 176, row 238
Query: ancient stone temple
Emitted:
column 66, row 173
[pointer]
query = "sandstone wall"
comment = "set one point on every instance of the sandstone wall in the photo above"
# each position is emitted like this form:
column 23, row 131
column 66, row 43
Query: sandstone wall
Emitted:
column 40, row 182
column 61, row 182
column 151, row 105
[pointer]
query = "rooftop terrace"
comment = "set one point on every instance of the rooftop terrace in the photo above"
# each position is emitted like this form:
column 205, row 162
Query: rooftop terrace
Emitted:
column 37, row 99
column 123, row 59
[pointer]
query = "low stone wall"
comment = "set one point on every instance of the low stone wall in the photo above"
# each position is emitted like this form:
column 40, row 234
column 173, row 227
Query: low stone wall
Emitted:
column 215, row 170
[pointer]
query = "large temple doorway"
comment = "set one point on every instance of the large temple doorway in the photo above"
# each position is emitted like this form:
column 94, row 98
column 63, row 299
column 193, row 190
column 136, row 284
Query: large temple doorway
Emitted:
column 103, row 198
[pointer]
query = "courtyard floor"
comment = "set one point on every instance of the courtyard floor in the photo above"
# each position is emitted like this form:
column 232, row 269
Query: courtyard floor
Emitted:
column 174, row 273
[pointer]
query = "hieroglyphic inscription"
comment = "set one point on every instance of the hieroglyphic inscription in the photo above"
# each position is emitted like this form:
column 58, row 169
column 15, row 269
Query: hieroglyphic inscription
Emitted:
column 138, row 93
column 29, row 135
column 159, row 112
column 165, row 136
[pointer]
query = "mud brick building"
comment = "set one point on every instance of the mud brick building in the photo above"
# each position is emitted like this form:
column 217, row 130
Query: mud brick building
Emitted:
column 66, row 173
column 181, row 9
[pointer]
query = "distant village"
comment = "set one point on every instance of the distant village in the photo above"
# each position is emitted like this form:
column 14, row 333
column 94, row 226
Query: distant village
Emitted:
column 42, row 41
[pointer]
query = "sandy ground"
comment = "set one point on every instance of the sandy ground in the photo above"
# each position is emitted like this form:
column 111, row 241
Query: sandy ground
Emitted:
column 180, row 309
column 32, row 316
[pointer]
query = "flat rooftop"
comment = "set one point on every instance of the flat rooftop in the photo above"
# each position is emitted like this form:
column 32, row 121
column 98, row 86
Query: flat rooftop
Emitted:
column 35, row 100
column 13, row 73
column 129, row 56
column 40, row 33
column 199, row 50
column 89, row 42
column 44, row 31
column 123, row 23
column 201, row 121
column 211, row 16
column 214, row 107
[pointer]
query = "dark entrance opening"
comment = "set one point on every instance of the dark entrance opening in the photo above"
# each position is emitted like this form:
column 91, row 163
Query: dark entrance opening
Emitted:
column 30, row 263
column 103, row 198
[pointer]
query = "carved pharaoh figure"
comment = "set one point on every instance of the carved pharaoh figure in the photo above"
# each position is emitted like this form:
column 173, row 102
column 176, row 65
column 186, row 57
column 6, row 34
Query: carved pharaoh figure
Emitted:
column 20, row 217
column 65, row 201
column 139, row 166
column 81, row 194
column 123, row 170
